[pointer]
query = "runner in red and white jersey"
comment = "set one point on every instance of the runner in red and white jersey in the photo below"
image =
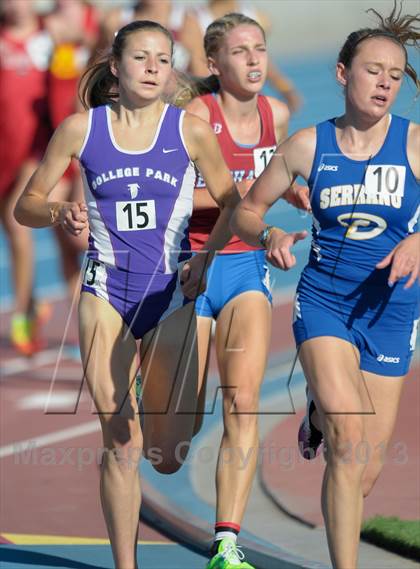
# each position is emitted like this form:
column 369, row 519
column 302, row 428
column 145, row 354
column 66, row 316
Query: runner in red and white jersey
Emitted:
column 249, row 127
column 245, row 161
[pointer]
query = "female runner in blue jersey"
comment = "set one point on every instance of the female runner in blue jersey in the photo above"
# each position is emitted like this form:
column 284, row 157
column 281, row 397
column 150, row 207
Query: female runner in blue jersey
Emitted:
column 357, row 302
column 137, row 155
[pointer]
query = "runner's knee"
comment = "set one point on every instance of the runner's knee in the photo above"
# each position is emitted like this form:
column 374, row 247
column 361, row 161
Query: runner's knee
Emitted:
column 241, row 407
column 344, row 436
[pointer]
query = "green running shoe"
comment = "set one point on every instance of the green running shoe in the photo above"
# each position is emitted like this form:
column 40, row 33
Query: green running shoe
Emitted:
column 228, row 556
column 139, row 389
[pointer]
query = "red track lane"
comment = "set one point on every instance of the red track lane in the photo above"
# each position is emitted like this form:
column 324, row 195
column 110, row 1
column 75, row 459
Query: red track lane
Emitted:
column 48, row 491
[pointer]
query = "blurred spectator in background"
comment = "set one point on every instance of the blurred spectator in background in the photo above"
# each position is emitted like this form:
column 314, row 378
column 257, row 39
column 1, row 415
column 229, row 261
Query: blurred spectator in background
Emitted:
column 171, row 15
column 74, row 28
column 201, row 17
column 41, row 59
column 25, row 51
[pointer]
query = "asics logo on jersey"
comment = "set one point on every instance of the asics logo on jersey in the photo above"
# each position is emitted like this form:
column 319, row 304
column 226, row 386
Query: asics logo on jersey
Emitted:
column 388, row 359
column 327, row 168
column 168, row 150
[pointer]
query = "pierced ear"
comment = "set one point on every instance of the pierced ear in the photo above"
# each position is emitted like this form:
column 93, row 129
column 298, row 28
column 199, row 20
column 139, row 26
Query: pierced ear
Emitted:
column 211, row 64
column 113, row 67
column 341, row 74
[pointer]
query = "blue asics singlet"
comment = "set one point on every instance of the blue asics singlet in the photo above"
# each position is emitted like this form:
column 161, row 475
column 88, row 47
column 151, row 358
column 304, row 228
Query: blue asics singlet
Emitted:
column 362, row 209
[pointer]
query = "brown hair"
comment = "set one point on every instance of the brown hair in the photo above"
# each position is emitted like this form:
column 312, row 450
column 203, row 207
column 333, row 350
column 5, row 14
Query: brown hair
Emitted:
column 98, row 85
column 401, row 29
column 189, row 88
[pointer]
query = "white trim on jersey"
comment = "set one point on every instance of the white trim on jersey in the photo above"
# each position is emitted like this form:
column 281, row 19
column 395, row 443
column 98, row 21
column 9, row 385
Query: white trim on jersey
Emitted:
column 85, row 140
column 178, row 222
column 122, row 150
column 413, row 221
column 177, row 300
column 181, row 133
column 98, row 230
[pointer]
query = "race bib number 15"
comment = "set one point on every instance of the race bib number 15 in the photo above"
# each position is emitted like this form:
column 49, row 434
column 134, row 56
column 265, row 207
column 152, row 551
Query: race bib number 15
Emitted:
column 135, row 215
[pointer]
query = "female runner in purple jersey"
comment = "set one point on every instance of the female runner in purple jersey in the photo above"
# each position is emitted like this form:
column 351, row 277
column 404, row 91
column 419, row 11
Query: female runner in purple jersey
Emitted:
column 357, row 303
column 129, row 143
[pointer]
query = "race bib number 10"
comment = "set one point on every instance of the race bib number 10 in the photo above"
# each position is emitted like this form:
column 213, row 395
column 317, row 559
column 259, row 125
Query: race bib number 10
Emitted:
column 135, row 215
column 385, row 179
column 262, row 157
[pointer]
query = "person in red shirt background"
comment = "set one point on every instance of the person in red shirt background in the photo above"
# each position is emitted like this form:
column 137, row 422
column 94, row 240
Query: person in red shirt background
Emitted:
column 74, row 27
column 25, row 51
column 41, row 59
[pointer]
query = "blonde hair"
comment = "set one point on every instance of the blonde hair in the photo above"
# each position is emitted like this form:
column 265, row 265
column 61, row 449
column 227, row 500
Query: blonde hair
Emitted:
column 217, row 30
column 191, row 87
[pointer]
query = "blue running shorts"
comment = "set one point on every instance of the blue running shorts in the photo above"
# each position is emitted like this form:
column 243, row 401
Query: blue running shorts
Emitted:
column 380, row 322
column 232, row 274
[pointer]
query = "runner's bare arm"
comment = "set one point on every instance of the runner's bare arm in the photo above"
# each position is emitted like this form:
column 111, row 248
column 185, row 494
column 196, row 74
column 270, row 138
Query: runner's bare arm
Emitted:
column 202, row 197
column 281, row 116
column 33, row 208
column 404, row 259
column 413, row 145
column 205, row 151
column 293, row 157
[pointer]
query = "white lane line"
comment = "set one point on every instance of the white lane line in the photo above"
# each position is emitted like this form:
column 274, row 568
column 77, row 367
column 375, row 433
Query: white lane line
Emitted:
column 55, row 437
column 66, row 399
column 21, row 364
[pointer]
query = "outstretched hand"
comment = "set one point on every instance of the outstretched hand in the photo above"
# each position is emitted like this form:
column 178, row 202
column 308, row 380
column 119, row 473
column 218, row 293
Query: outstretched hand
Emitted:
column 404, row 260
column 279, row 244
